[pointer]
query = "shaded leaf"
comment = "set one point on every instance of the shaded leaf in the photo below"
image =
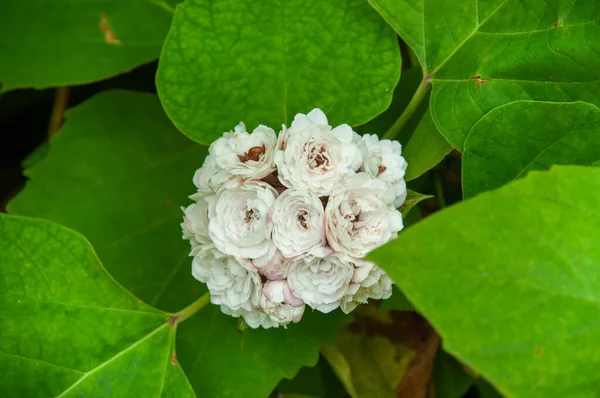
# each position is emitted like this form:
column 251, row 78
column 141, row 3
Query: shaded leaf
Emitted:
column 68, row 329
column 78, row 41
column 412, row 199
column 369, row 358
column 450, row 380
column 483, row 54
column 398, row 302
column 425, row 148
column 522, row 136
column 525, row 258
column 263, row 62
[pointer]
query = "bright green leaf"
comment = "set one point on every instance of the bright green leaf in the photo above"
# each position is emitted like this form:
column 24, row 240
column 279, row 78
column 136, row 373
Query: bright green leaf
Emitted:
column 54, row 43
column 485, row 53
column 425, row 148
column 510, row 280
column 118, row 172
column 262, row 62
column 412, row 199
column 68, row 329
column 522, row 136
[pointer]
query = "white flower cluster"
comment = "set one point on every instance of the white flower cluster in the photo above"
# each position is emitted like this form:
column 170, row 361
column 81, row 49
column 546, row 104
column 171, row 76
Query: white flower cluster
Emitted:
column 283, row 222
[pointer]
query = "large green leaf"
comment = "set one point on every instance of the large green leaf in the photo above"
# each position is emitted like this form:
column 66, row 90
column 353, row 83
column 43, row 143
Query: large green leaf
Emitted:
column 511, row 280
column 118, row 172
column 485, row 53
column 522, row 136
column 264, row 61
column 68, row 329
column 51, row 43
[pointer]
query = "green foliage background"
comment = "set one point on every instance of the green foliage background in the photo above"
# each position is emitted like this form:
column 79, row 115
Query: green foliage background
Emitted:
column 508, row 278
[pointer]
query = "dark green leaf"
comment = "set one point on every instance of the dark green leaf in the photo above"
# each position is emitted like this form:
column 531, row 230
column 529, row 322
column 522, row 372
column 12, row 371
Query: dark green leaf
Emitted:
column 412, row 199
column 510, row 279
column 398, row 302
column 54, row 43
column 522, row 136
column 450, row 380
column 118, row 172
column 425, row 149
column 68, row 329
column 483, row 54
column 264, row 61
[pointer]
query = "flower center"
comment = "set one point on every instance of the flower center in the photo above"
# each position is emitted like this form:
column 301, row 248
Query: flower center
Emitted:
column 251, row 215
column 319, row 158
column 303, row 219
column 253, row 153
column 382, row 168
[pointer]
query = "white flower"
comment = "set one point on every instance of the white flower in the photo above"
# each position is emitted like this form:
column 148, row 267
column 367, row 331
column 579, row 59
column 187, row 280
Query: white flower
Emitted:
column 232, row 282
column 246, row 155
column 254, row 318
column 383, row 159
column 320, row 282
column 368, row 281
column 313, row 157
column 275, row 269
column 280, row 304
column 209, row 178
column 195, row 224
column 359, row 216
column 298, row 224
column 240, row 219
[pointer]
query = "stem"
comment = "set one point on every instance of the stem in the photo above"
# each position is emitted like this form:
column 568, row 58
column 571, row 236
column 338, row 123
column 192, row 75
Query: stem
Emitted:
column 61, row 101
column 412, row 106
column 439, row 191
column 190, row 310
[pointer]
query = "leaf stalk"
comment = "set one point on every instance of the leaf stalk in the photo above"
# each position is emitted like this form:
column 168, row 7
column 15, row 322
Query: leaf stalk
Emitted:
column 190, row 310
column 412, row 106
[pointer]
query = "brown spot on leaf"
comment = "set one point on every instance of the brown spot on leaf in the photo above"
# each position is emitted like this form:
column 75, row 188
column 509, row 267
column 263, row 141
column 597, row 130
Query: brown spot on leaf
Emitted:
column 109, row 36
column 537, row 351
column 168, row 202
column 174, row 361
column 557, row 25
column 479, row 80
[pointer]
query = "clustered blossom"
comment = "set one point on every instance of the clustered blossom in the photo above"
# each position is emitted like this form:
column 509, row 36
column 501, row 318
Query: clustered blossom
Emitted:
column 281, row 222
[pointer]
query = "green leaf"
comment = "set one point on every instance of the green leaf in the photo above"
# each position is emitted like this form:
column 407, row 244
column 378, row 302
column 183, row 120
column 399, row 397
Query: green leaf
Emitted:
column 412, row 199
column 522, row 136
column 425, row 148
column 55, row 43
column 510, row 280
column 369, row 360
column 450, row 380
column 483, row 54
column 264, row 61
column 398, row 302
column 68, row 329
column 118, row 172
column 409, row 81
